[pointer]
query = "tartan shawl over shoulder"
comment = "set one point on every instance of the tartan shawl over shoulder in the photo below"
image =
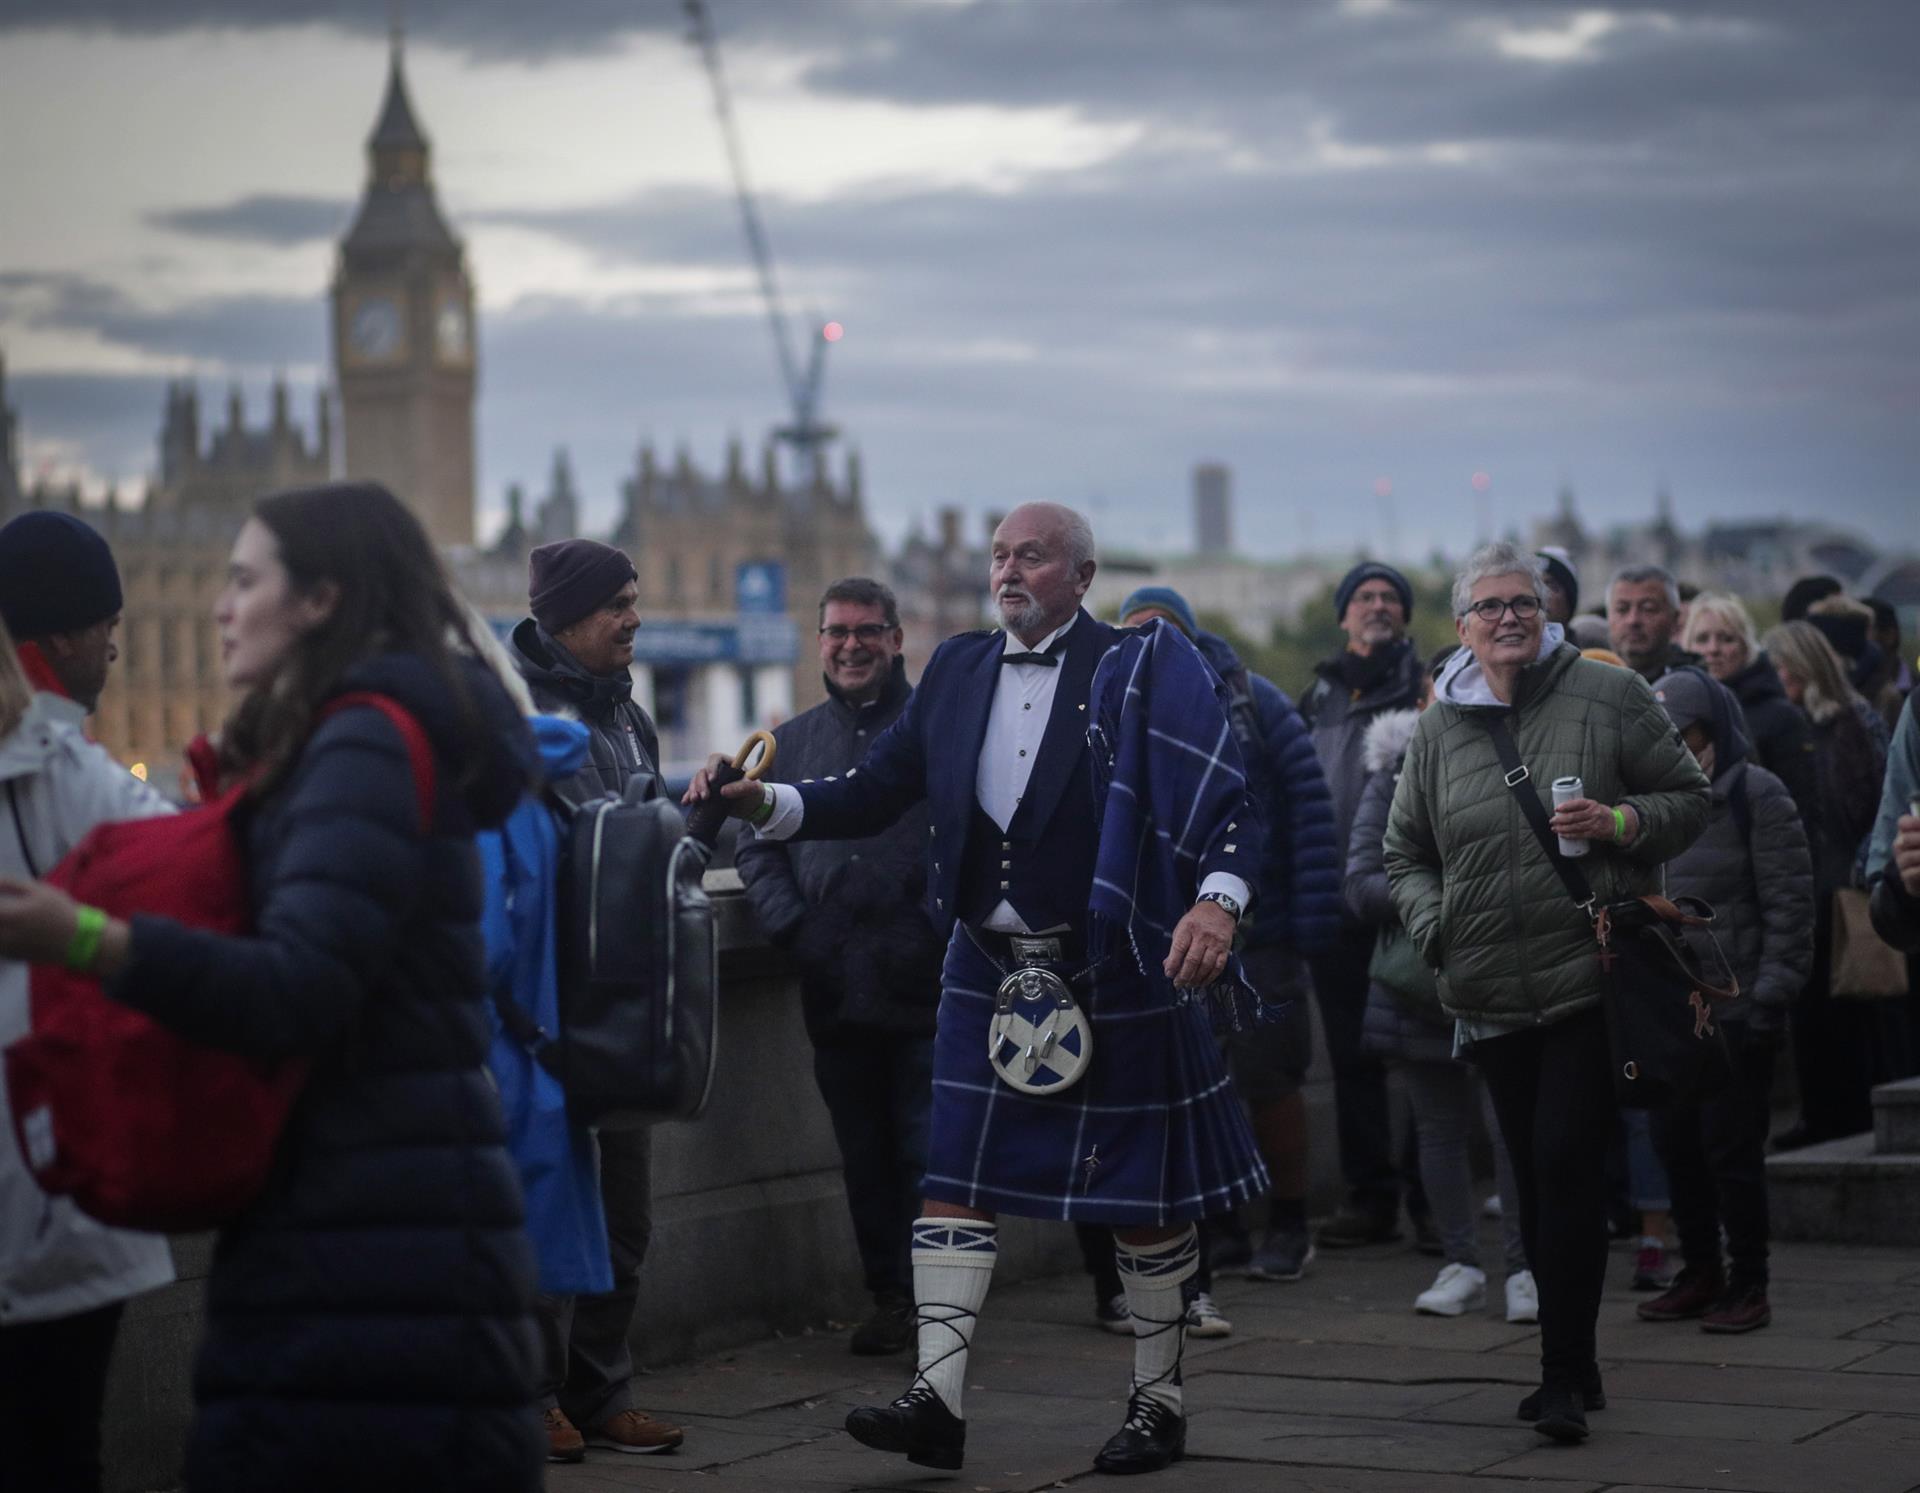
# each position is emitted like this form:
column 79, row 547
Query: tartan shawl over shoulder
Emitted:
column 1170, row 790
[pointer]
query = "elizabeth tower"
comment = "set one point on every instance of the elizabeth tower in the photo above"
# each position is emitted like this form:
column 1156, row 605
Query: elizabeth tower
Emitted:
column 403, row 343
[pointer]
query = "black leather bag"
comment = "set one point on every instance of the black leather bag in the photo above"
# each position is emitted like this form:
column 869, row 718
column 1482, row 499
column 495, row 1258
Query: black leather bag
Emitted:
column 1662, row 970
column 638, row 966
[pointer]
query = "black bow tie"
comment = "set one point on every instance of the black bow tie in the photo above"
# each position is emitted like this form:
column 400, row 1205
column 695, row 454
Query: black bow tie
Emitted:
column 1044, row 660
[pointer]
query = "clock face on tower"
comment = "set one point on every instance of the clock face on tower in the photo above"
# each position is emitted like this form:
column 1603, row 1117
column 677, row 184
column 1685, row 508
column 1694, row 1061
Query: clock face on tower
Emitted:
column 451, row 336
column 373, row 331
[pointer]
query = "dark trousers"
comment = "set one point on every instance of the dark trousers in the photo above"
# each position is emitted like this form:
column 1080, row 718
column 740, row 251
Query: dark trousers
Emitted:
column 1833, row 1044
column 878, row 1088
column 1552, row 1089
column 1360, row 1111
column 1096, row 1253
column 1715, row 1154
column 587, row 1362
column 53, row 1378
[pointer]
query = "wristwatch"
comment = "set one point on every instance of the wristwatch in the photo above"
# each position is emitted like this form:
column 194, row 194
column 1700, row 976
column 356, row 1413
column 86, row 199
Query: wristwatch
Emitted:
column 1232, row 907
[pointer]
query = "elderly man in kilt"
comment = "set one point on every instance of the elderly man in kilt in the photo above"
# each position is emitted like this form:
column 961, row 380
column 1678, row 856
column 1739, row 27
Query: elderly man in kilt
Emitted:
column 1090, row 827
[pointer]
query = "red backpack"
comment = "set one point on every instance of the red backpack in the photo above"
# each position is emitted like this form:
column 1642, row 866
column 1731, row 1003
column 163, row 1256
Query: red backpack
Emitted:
column 143, row 1129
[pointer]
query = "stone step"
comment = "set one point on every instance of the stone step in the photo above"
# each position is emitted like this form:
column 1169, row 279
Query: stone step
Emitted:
column 1842, row 1192
column 1896, row 1118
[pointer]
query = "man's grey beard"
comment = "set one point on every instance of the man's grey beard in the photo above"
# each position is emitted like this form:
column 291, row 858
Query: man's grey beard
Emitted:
column 1023, row 618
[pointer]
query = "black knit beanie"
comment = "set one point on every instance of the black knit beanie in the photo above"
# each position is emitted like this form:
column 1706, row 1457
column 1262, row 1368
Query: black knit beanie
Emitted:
column 571, row 577
column 1371, row 570
column 56, row 575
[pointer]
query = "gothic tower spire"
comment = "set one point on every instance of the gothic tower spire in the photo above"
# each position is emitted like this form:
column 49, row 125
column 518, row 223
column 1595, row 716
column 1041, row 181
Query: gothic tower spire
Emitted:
column 403, row 326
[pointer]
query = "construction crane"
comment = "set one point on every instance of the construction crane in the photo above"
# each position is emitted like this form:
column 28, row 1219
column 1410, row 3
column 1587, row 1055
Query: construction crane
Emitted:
column 807, row 434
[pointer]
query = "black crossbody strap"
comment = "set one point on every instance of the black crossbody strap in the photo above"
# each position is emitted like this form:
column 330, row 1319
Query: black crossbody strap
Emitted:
column 1517, row 780
column 20, row 830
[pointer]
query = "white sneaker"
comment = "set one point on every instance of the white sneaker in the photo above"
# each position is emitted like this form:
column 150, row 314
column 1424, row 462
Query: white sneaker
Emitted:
column 1523, row 1297
column 1456, row 1289
column 1204, row 1319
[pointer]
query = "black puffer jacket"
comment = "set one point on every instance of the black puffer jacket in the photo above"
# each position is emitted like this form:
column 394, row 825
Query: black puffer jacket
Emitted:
column 1751, row 862
column 1849, row 764
column 1780, row 735
column 849, row 909
column 368, row 1318
column 624, row 743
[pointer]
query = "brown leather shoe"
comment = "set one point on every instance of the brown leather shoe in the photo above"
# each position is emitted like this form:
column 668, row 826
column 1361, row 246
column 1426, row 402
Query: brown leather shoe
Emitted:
column 1741, row 1309
column 635, row 1431
column 1692, row 1293
column 564, row 1442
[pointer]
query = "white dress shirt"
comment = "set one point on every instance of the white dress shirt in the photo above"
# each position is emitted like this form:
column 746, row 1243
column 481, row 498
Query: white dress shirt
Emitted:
column 1016, row 723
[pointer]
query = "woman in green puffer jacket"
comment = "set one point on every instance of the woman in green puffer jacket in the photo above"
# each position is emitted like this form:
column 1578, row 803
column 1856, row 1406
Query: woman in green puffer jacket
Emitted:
column 1484, row 905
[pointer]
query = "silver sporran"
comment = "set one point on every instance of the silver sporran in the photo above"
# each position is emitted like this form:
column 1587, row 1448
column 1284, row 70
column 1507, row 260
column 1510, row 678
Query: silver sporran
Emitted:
column 1039, row 1041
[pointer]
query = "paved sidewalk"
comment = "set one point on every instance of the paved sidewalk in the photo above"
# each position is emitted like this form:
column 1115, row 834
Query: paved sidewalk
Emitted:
column 1335, row 1384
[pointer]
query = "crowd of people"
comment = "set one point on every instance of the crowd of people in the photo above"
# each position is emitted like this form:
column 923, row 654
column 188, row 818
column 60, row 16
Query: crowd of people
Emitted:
column 1061, row 911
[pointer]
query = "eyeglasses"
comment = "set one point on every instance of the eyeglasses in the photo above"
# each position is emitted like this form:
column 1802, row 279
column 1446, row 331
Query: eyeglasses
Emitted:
column 866, row 632
column 1524, row 608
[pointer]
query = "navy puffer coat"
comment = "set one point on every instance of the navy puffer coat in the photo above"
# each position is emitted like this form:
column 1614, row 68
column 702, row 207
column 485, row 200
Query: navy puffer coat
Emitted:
column 368, row 1318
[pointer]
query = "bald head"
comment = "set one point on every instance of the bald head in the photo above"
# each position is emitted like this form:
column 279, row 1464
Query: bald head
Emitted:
column 1042, row 565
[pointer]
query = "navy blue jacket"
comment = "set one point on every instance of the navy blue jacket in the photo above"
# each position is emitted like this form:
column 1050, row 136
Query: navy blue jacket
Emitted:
column 933, row 752
column 1297, row 902
column 368, row 1318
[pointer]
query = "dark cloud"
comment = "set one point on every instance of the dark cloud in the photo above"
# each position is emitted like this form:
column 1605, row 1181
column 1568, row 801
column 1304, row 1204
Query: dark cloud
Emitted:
column 265, row 218
column 1687, row 258
column 239, row 331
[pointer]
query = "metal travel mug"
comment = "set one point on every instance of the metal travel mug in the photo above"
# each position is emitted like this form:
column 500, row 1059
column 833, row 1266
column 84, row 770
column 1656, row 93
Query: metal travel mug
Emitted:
column 1565, row 790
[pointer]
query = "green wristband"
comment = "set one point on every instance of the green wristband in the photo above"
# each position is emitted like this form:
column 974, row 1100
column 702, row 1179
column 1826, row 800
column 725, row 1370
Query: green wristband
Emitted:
column 764, row 812
column 1619, row 824
column 89, row 925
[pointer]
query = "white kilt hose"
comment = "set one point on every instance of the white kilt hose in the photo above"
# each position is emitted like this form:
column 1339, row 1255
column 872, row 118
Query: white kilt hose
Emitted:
column 1153, row 1134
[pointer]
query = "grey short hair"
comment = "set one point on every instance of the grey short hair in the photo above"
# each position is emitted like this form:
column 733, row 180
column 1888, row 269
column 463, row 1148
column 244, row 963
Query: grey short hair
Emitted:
column 1079, row 536
column 1498, row 558
column 1075, row 532
column 1639, row 575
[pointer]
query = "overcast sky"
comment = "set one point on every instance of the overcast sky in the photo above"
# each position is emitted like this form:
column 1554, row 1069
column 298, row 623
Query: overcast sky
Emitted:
column 1077, row 245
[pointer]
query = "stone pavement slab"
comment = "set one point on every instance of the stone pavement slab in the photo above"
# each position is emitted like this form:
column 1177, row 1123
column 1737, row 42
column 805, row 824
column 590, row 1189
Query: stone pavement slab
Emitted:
column 1495, row 1407
column 1334, row 1385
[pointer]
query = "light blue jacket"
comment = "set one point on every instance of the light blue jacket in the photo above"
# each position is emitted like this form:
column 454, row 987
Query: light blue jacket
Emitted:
column 559, row 1171
column 1896, row 916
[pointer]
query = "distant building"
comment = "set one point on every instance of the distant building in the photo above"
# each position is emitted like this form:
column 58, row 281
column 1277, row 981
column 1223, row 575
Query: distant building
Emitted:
column 731, row 566
column 731, row 569
column 1212, row 509
column 403, row 335
column 1756, row 560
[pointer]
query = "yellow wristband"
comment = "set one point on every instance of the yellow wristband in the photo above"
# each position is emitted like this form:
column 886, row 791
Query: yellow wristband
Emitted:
column 89, row 924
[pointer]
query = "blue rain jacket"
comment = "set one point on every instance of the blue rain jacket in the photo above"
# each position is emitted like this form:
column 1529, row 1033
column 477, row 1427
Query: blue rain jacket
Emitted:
column 559, row 1171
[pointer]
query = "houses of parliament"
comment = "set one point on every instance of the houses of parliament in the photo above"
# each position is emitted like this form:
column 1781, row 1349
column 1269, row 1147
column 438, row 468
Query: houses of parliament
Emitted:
column 405, row 368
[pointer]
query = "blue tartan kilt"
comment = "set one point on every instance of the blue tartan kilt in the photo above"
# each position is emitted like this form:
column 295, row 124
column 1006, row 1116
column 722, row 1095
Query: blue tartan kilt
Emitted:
column 1153, row 1134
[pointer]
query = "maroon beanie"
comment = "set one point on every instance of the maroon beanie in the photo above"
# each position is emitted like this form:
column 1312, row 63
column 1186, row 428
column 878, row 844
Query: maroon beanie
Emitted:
column 571, row 577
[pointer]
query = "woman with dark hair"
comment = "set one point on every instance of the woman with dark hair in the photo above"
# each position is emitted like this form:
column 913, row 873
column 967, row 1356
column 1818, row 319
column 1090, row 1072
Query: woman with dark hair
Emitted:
column 368, row 1315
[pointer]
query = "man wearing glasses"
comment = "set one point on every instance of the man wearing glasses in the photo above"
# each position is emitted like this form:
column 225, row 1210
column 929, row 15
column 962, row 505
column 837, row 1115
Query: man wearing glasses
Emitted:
column 850, row 913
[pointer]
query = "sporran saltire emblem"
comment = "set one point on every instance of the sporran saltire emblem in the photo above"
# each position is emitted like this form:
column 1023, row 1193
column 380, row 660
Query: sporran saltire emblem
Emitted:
column 1039, row 1041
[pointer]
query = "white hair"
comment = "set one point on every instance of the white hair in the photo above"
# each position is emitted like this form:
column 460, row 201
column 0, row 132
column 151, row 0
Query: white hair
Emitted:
column 1076, row 534
column 1498, row 558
